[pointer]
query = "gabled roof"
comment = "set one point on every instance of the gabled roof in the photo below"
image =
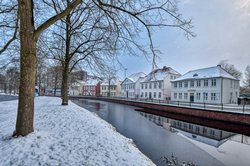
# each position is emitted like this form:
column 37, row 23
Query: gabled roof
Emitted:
column 211, row 72
column 106, row 82
column 160, row 74
column 91, row 82
column 134, row 77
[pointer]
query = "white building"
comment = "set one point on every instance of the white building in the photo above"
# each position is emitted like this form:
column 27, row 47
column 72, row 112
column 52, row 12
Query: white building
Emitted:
column 208, row 85
column 130, row 87
column 112, row 87
column 157, row 84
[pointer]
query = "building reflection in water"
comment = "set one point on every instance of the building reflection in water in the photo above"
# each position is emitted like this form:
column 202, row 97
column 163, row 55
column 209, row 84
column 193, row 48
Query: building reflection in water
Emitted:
column 207, row 135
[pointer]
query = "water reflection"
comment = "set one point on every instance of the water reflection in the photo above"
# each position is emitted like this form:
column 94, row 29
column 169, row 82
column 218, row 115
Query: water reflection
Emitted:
column 210, row 136
column 158, row 136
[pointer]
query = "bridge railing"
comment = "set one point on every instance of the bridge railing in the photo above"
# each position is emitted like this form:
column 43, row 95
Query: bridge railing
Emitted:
column 206, row 106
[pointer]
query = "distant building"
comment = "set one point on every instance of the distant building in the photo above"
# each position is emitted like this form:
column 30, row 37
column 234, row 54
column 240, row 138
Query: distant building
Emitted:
column 130, row 87
column 77, row 80
column 91, row 87
column 208, row 85
column 157, row 84
column 110, row 87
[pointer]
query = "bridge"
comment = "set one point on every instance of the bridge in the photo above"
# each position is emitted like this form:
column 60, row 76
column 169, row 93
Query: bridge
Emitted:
column 225, row 117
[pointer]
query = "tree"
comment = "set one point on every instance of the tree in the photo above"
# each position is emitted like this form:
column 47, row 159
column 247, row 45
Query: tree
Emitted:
column 247, row 77
column 123, row 15
column 230, row 69
column 107, row 28
column 28, row 38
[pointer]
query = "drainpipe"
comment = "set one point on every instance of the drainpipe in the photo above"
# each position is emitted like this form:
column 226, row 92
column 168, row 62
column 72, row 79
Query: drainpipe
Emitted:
column 221, row 90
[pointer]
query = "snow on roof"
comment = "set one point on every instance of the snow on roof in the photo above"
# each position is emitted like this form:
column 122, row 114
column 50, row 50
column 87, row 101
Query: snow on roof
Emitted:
column 134, row 77
column 211, row 72
column 160, row 74
column 112, row 82
column 92, row 82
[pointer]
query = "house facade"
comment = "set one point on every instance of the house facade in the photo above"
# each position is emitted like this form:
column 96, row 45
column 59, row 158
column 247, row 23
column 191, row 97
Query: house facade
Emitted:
column 110, row 88
column 130, row 87
column 157, row 84
column 209, row 85
column 91, row 87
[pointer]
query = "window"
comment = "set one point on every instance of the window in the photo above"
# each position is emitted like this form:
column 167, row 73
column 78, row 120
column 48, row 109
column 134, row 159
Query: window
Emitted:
column 160, row 85
column 191, row 83
column 159, row 95
column 175, row 85
column 198, row 83
column 185, row 84
column 204, row 131
column 236, row 84
column 150, row 86
column 154, row 94
column 150, row 95
column 146, row 94
column 141, row 86
column 205, row 83
column 171, row 77
column 198, row 96
column 180, row 95
column 185, row 96
column 213, row 96
column 155, row 84
column 190, row 127
column 197, row 129
column 142, row 94
column 175, row 95
column 180, row 84
column 213, row 82
column 205, row 96
column 212, row 132
column 146, row 86
column 185, row 126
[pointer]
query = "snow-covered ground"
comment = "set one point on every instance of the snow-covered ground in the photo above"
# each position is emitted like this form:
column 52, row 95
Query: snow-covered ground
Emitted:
column 64, row 135
column 230, row 153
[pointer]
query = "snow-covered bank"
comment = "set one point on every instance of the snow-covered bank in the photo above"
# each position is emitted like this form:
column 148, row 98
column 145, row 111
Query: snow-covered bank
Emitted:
column 64, row 135
column 230, row 153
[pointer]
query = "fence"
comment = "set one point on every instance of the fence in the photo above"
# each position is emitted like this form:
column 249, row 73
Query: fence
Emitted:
column 207, row 106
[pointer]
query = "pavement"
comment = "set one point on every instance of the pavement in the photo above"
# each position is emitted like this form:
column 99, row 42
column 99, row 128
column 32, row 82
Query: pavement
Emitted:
column 7, row 97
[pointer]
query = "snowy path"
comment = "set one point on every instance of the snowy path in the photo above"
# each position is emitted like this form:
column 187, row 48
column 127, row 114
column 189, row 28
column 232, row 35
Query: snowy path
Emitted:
column 64, row 135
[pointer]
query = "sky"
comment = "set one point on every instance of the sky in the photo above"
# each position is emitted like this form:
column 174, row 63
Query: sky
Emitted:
column 222, row 29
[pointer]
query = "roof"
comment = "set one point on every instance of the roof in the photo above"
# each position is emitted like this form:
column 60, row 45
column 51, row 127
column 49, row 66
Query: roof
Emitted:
column 134, row 77
column 112, row 82
column 211, row 72
column 160, row 74
column 92, row 82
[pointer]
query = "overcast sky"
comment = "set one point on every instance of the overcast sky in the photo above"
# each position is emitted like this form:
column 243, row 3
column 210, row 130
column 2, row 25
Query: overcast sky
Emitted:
column 223, row 33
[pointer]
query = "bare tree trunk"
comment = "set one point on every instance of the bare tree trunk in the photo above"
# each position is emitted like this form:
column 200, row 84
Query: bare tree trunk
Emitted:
column 64, row 91
column 55, row 85
column 25, row 115
column 65, row 72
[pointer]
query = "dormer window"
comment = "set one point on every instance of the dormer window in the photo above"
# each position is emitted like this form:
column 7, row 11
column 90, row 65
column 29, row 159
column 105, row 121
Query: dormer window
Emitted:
column 195, row 75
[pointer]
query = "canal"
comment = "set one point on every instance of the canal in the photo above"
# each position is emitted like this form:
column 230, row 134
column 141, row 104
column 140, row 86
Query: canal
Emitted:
column 158, row 136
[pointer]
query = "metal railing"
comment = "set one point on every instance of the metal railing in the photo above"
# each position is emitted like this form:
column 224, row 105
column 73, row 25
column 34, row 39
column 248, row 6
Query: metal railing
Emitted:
column 206, row 106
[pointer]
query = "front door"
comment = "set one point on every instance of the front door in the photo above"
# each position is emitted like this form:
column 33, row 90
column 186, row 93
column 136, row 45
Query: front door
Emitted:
column 191, row 97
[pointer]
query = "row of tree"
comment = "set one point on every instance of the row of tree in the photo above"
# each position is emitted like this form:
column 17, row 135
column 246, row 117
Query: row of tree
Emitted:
column 93, row 31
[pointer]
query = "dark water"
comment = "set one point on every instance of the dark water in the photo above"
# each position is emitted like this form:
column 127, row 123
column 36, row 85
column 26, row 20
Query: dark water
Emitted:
column 158, row 136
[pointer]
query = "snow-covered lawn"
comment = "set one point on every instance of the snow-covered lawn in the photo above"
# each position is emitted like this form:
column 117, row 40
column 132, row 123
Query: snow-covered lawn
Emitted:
column 64, row 135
